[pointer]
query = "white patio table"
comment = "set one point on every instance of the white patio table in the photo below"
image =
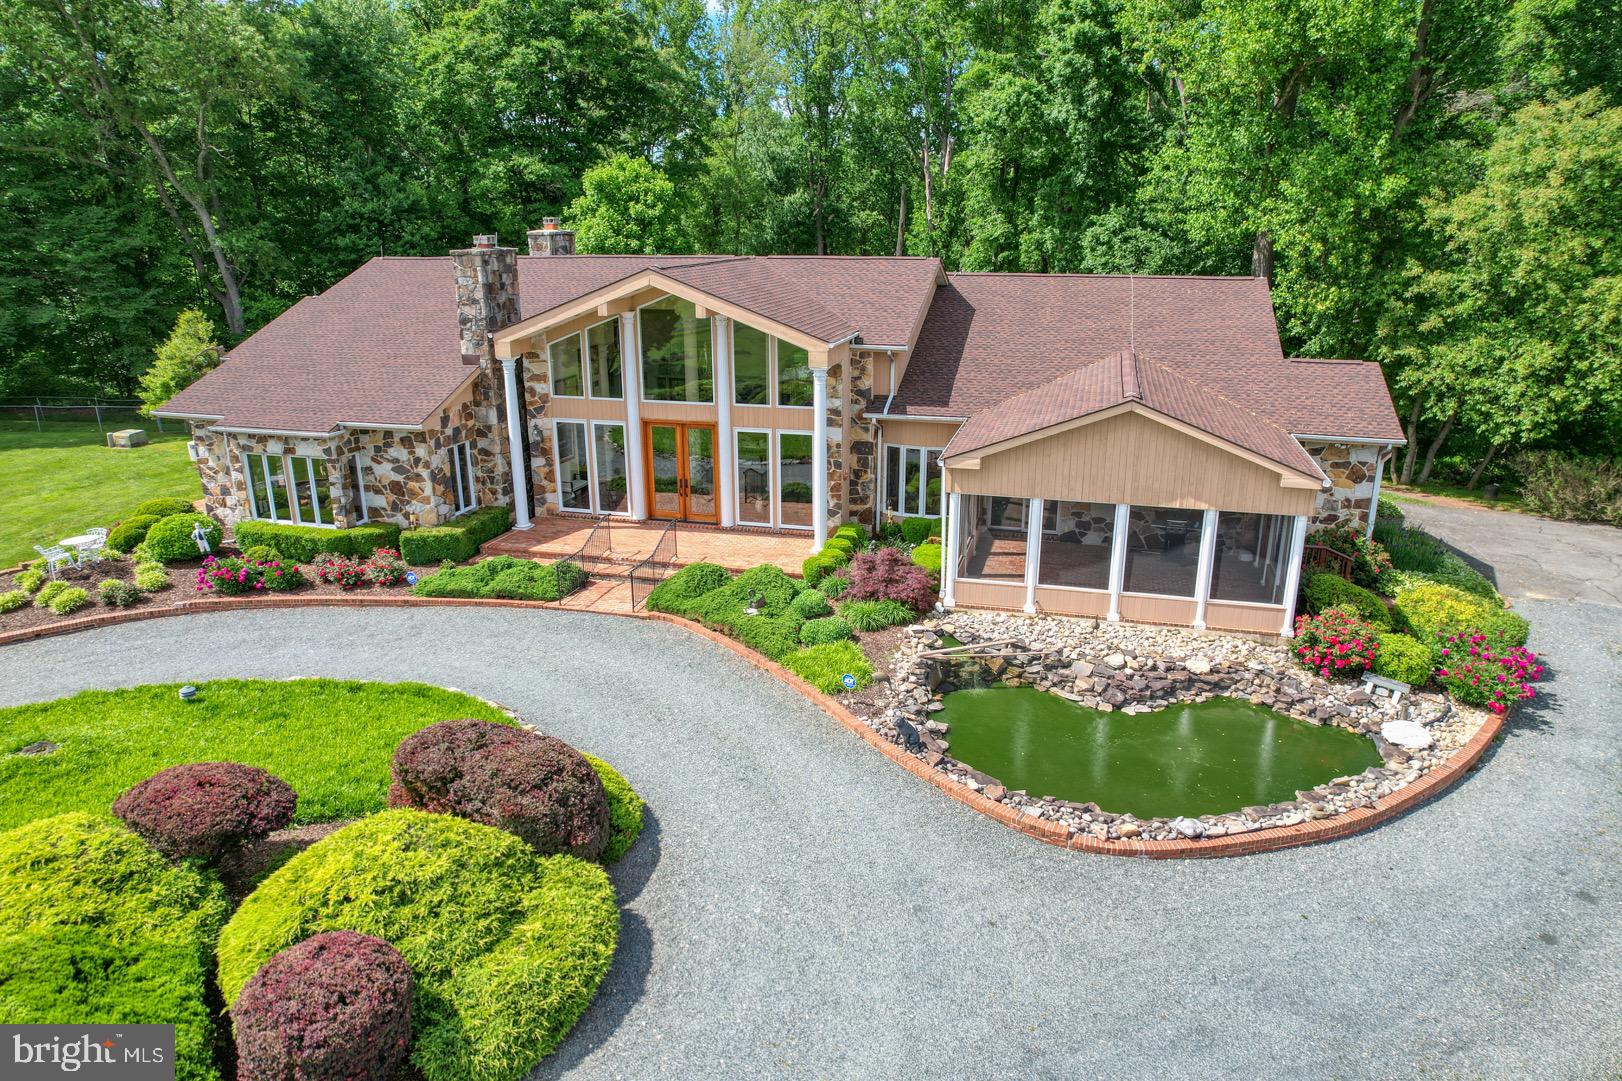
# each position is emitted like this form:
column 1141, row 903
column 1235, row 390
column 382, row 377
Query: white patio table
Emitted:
column 84, row 546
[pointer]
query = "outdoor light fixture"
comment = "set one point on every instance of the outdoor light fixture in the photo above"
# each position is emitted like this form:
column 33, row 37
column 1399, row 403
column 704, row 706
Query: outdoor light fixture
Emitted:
column 187, row 693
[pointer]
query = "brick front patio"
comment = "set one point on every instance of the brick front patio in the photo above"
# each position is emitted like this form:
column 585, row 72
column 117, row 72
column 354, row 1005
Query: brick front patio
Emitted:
column 556, row 536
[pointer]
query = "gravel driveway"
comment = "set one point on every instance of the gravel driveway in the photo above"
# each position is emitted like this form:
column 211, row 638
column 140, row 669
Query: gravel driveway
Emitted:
column 799, row 907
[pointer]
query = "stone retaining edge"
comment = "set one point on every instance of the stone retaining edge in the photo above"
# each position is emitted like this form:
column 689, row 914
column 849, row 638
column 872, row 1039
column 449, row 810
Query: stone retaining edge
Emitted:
column 1243, row 844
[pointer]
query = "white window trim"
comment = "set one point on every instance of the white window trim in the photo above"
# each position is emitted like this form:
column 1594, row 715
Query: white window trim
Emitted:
column 777, row 381
column 777, row 477
column 591, row 467
column 287, row 459
column 579, row 337
column 585, row 360
column 774, row 378
column 641, row 360
column 463, row 487
column 923, row 484
column 772, row 481
column 358, row 478
column 1279, row 539
column 557, row 464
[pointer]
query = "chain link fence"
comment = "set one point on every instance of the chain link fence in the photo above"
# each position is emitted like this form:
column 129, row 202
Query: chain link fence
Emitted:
column 103, row 411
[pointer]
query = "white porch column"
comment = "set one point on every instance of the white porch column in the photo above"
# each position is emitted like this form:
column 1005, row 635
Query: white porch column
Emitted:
column 819, row 458
column 1202, row 579
column 1292, row 574
column 631, row 376
column 954, row 504
column 515, row 445
column 726, row 445
column 1374, row 504
column 1117, row 560
column 1033, row 552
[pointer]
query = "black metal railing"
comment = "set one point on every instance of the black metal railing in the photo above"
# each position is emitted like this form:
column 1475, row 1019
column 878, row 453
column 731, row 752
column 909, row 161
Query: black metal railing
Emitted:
column 597, row 545
column 655, row 568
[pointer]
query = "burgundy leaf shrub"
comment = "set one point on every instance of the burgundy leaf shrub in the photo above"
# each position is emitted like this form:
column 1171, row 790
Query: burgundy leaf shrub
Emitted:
column 337, row 1005
column 204, row 808
column 889, row 575
column 536, row 787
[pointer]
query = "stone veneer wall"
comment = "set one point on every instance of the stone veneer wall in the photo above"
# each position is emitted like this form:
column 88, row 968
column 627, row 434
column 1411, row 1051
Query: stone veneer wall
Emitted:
column 1351, row 468
column 860, row 458
column 537, row 388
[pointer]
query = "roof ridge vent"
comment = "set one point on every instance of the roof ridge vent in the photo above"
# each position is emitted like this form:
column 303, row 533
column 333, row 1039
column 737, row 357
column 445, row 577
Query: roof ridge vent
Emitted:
column 1130, row 387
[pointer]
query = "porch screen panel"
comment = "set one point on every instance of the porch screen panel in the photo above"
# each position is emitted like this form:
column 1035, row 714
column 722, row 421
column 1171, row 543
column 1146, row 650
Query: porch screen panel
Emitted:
column 793, row 375
column 567, row 381
column 613, row 479
column 995, row 542
column 1162, row 551
column 751, row 365
column 755, row 478
column 794, row 478
column 574, row 482
column 603, row 353
column 676, row 360
column 1251, row 550
column 1076, row 544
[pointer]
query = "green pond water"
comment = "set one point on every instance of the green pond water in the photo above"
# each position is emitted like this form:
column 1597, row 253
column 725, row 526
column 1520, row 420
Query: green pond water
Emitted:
column 1200, row 758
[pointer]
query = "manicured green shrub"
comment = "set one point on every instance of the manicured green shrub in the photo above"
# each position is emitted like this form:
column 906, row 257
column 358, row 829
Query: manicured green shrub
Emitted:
column 335, row 1007
column 536, row 787
column 169, row 540
column 855, row 532
column 264, row 553
column 768, row 586
column 820, row 566
column 1404, row 658
column 30, row 580
column 825, row 666
column 302, row 543
column 928, row 556
column 876, row 615
column 833, row 587
column 815, row 632
column 1369, row 557
column 624, row 809
column 677, row 593
column 811, row 604
column 130, row 532
column 457, row 540
column 1452, row 571
column 506, row 947
column 772, row 636
column 1389, row 510
column 115, row 593
column 97, row 928
column 151, row 577
column 204, row 809
column 843, row 545
column 1429, row 611
column 165, row 507
column 1325, row 591
column 50, row 591
column 505, row 578
column 918, row 529
column 69, row 601
column 13, row 599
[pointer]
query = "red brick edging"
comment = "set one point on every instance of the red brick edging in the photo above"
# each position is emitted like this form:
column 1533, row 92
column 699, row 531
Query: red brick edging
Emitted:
column 1242, row 844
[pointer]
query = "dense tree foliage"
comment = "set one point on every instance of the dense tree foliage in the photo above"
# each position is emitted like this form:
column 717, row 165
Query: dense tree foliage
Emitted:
column 1428, row 183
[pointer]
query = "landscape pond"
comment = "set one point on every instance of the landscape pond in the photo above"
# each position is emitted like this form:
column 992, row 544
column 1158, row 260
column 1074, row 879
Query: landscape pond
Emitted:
column 1190, row 759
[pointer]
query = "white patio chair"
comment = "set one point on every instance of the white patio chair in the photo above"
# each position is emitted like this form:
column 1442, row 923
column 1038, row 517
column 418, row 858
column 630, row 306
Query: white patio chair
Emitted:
column 95, row 554
column 56, row 556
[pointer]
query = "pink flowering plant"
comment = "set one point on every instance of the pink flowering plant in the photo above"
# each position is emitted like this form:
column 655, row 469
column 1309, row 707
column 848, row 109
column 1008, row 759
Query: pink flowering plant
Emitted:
column 345, row 572
column 233, row 575
column 386, row 568
column 1479, row 673
column 1336, row 644
column 1370, row 560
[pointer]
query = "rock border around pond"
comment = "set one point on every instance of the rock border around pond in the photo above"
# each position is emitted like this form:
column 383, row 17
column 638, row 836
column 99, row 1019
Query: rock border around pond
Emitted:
column 1136, row 669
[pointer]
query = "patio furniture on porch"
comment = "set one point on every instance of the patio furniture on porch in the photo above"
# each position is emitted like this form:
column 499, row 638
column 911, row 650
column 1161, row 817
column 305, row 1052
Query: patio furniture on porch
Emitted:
column 56, row 556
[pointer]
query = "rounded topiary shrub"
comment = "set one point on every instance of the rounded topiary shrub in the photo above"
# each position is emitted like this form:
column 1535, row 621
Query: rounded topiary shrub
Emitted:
column 262, row 553
column 130, row 532
column 506, row 947
column 811, row 604
column 164, row 507
column 677, row 593
column 204, row 808
column 1403, row 658
column 1326, row 591
column 337, row 1005
column 169, row 540
column 815, row 632
column 536, row 787
column 97, row 928
column 624, row 809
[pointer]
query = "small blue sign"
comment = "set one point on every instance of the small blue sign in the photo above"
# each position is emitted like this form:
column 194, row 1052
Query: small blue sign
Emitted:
column 849, row 681
column 411, row 578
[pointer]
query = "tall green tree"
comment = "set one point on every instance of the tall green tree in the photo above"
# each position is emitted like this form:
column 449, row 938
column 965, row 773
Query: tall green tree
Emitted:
column 629, row 207
column 186, row 356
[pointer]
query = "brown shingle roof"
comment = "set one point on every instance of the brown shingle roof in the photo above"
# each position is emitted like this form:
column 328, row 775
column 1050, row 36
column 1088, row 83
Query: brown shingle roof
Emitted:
column 1119, row 380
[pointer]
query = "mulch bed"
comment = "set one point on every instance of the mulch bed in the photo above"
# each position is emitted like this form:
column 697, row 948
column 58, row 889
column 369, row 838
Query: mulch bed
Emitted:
column 879, row 647
column 243, row 869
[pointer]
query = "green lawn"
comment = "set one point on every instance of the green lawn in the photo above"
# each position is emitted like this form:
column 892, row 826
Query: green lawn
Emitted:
column 330, row 739
column 1507, row 499
column 64, row 480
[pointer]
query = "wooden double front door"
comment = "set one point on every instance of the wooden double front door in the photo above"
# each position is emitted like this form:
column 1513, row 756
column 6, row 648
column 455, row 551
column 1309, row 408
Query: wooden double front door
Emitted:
column 680, row 471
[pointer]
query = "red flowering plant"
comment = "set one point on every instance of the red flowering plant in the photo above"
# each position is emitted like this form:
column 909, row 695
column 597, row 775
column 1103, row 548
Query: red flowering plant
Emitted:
column 386, row 568
column 1479, row 673
column 232, row 575
column 1336, row 643
column 1370, row 560
column 344, row 572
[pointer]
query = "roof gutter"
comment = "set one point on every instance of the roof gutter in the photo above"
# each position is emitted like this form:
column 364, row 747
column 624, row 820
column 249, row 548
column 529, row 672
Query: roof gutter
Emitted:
column 1358, row 440
column 909, row 416
column 186, row 416
column 273, row 431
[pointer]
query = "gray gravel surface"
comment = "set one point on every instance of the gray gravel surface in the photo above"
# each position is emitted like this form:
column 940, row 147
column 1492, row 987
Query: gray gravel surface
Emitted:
column 800, row 907
column 1527, row 556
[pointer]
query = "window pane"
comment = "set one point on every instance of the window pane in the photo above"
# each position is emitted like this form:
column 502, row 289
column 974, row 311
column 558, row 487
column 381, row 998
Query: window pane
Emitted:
column 892, row 478
column 751, row 368
column 932, row 483
column 574, row 485
column 666, row 454
column 1077, row 553
column 566, row 380
column 1249, row 561
column 607, row 373
column 310, row 490
column 675, row 353
column 277, row 506
column 701, row 492
column 357, row 487
column 755, row 478
column 794, row 473
column 613, row 494
column 793, row 375
column 911, row 462
column 994, row 541
column 1162, row 551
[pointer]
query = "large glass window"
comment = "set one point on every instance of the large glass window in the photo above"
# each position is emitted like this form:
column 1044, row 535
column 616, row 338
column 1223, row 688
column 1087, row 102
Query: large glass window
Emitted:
column 1251, row 553
column 751, row 365
column 676, row 361
column 1162, row 551
column 357, row 488
column 567, row 379
column 603, row 353
column 461, row 480
column 992, row 541
column 574, row 474
column 312, row 503
column 288, row 488
column 754, row 478
column 613, row 480
column 793, row 375
column 267, row 487
column 1077, row 539
column 794, row 478
column 912, row 480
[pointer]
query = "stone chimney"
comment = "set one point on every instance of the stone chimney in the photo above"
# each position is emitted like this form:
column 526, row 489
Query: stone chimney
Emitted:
column 486, row 294
column 550, row 240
